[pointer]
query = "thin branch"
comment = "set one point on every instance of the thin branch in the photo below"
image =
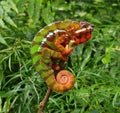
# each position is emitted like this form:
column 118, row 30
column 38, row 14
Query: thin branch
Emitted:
column 44, row 101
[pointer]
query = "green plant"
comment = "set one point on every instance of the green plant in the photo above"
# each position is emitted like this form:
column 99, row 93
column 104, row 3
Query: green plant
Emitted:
column 95, row 64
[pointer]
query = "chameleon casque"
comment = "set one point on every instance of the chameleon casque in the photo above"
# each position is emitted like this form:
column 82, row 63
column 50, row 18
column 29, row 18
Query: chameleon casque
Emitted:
column 51, row 48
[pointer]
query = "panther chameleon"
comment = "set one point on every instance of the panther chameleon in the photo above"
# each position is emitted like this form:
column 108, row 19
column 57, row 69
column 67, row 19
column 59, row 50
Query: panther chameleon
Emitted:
column 51, row 47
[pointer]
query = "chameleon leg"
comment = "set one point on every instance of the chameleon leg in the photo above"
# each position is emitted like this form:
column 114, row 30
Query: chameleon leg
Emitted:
column 55, row 65
column 64, row 47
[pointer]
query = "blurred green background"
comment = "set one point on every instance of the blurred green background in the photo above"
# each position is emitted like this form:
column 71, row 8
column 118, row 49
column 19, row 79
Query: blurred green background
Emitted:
column 95, row 64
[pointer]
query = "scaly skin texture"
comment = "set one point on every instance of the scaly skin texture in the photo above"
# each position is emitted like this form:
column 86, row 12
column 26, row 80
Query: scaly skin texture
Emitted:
column 51, row 47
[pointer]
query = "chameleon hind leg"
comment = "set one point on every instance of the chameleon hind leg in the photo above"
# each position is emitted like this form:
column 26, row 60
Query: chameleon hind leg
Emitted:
column 49, row 62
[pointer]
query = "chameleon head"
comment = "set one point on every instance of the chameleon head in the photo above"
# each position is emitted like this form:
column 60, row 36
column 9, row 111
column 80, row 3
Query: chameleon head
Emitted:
column 84, row 32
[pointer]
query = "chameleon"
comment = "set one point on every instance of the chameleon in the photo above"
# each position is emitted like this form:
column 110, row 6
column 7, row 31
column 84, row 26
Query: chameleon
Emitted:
column 51, row 47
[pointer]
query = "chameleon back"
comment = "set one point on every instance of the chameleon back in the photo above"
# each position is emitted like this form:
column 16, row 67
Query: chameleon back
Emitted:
column 41, row 35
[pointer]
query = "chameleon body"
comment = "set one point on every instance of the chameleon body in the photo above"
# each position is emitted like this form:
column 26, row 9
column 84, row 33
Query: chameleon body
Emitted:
column 51, row 47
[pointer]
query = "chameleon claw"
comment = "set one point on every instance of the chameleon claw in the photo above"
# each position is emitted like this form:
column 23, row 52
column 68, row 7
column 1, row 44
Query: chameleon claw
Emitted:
column 69, row 47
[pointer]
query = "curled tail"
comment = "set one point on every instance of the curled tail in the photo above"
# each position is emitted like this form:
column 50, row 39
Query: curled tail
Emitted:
column 42, row 60
column 64, row 81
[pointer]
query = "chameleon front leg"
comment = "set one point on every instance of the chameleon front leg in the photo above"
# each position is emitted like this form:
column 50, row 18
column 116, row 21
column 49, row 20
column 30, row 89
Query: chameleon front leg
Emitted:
column 61, row 66
column 62, row 45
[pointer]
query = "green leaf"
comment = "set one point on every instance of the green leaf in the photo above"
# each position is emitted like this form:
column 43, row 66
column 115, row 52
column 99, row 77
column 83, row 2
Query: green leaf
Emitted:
column 2, row 24
column 47, row 15
column 87, row 55
column 106, row 59
column 30, row 8
column 6, row 7
column 95, row 20
column 9, row 20
column 0, row 104
column 98, row 1
column 6, row 106
column 2, row 40
column 13, row 6
column 1, row 78
column 1, row 12
column 38, row 7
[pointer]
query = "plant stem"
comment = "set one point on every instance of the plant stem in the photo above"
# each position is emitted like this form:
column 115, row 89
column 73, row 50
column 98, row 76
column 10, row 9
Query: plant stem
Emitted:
column 44, row 101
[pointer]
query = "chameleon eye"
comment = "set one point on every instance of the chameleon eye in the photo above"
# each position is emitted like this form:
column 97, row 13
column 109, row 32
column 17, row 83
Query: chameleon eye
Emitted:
column 84, row 26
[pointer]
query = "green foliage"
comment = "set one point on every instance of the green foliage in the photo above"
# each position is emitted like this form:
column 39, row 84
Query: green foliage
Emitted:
column 95, row 64
column 7, row 7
